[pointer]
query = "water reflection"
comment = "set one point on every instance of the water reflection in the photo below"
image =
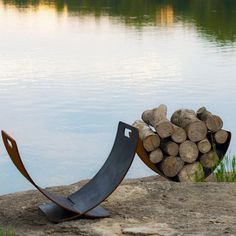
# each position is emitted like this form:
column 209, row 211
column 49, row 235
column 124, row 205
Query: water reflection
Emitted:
column 216, row 20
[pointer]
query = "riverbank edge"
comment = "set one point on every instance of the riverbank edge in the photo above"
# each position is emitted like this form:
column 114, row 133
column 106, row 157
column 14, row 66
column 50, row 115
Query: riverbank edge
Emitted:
column 142, row 206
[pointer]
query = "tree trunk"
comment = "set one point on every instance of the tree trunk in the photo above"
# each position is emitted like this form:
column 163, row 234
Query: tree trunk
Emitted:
column 171, row 166
column 151, row 140
column 188, row 151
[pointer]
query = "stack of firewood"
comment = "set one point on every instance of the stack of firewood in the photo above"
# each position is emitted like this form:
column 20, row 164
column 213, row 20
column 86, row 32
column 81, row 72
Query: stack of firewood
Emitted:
column 183, row 146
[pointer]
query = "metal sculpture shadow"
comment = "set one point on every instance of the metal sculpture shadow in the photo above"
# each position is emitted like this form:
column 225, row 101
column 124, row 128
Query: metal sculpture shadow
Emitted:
column 220, row 150
column 85, row 202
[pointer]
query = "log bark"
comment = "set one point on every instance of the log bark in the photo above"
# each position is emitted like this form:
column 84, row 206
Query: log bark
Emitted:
column 209, row 160
column 170, row 148
column 171, row 166
column 152, row 117
column 157, row 118
column 221, row 136
column 188, row 151
column 192, row 173
column 183, row 117
column 147, row 117
column 179, row 135
column 204, row 146
column 203, row 113
column 213, row 122
column 151, row 140
column 196, row 129
column 156, row 156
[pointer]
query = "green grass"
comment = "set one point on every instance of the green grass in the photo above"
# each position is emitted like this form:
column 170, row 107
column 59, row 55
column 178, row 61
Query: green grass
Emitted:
column 226, row 171
column 7, row 232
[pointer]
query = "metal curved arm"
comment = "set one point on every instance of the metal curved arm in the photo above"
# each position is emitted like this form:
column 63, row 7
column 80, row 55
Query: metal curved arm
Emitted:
column 85, row 200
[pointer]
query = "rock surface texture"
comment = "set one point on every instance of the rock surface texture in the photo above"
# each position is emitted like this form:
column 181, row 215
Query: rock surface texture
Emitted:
column 148, row 206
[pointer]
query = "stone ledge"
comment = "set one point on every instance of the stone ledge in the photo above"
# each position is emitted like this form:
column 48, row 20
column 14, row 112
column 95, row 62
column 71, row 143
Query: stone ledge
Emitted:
column 146, row 206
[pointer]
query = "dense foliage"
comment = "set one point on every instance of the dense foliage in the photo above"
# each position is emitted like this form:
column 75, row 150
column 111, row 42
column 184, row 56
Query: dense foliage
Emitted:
column 215, row 19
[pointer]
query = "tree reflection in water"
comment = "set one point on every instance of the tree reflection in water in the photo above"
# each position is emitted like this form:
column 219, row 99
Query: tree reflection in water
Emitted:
column 214, row 19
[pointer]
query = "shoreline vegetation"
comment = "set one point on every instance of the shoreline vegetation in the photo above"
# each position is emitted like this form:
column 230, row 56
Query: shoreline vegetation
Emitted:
column 7, row 232
column 226, row 170
column 215, row 20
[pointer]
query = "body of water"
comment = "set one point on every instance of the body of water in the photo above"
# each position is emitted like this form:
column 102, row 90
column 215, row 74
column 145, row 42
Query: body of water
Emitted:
column 71, row 70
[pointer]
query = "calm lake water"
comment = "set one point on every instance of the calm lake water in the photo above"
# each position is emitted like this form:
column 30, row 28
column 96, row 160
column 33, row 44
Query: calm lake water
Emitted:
column 71, row 70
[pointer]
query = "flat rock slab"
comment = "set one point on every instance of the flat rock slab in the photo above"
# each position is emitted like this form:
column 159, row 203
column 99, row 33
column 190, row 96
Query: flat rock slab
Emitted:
column 148, row 206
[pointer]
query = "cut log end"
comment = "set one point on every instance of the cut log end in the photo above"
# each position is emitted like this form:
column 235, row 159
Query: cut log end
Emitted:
column 171, row 166
column 151, row 142
column 170, row 148
column 150, row 139
column 196, row 131
column 188, row 151
column 192, row 173
column 209, row 160
column 214, row 123
column 221, row 136
column 164, row 128
column 179, row 135
column 204, row 146
column 156, row 156
column 183, row 117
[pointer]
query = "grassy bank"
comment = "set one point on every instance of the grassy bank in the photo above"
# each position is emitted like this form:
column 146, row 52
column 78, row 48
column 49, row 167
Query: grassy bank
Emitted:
column 7, row 232
column 226, row 171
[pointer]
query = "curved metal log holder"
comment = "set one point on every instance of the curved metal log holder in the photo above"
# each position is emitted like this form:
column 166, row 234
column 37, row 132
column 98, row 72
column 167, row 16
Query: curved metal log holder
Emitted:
column 220, row 150
column 85, row 202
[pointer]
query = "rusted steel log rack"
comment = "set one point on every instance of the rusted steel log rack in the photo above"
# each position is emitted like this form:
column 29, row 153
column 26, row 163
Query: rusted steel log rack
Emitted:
column 85, row 202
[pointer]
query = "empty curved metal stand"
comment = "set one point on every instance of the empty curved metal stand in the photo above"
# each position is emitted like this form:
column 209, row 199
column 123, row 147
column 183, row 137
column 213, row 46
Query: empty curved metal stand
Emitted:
column 220, row 149
column 85, row 201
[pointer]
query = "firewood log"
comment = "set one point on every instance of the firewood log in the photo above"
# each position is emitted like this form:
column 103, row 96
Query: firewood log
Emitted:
column 179, row 135
column 157, row 118
column 213, row 122
column 221, row 136
column 171, row 166
column 204, row 146
column 188, row 151
column 156, row 156
column 196, row 129
column 191, row 173
column 209, row 160
column 151, row 140
column 170, row 148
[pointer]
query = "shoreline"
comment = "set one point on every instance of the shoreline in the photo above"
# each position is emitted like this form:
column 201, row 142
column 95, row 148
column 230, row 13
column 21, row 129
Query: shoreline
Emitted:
column 142, row 206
